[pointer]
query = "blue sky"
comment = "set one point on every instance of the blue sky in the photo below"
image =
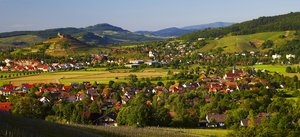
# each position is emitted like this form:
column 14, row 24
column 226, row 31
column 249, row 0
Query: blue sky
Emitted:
column 134, row 14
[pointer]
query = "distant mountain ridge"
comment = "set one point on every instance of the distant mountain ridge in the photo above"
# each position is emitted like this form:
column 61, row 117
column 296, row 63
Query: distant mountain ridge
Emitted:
column 209, row 25
column 100, row 34
column 176, row 32
column 285, row 22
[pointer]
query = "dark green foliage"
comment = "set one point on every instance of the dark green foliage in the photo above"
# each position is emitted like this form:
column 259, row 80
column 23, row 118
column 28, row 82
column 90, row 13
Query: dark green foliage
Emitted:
column 267, row 44
column 289, row 21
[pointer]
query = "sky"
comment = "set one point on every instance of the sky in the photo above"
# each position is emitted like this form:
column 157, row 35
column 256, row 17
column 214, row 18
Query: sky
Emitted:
column 134, row 15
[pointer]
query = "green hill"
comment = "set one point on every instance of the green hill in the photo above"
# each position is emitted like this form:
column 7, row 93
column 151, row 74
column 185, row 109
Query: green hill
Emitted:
column 19, row 41
column 61, row 45
column 251, row 42
column 284, row 22
column 100, row 34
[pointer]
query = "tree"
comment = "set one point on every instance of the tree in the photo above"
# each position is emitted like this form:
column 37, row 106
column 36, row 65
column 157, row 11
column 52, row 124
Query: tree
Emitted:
column 28, row 107
column 94, row 107
column 137, row 113
column 288, row 69
column 132, row 78
column 267, row 44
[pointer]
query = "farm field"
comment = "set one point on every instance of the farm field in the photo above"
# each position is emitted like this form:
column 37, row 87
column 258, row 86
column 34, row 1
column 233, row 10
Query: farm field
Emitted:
column 98, row 75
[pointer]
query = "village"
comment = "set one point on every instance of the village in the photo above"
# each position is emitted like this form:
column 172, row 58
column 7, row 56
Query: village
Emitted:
column 114, row 96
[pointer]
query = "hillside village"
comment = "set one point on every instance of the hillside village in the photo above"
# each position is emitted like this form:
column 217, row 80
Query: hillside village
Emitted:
column 242, row 79
column 110, row 98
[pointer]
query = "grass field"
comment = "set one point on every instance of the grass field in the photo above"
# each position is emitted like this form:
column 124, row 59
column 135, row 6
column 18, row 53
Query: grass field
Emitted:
column 277, row 68
column 98, row 75
column 200, row 132
column 155, row 131
column 14, row 126
column 232, row 44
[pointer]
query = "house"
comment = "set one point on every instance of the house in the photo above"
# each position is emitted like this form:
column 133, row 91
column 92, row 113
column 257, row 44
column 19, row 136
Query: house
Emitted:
column 232, row 76
column 6, row 68
column 47, row 68
column 215, row 120
column 75, row 84
column 231, row 86
column 255, row 121
column 5, row 106
column 150, row 63
column 176, row 88
column 92, row 117
column 151, row 54
column 67, row 88
column 108, row 119
column 214, row 87
column 276, row 56
column 26, row 87
column 159, row 88
column 7, row 90
column 136, row 61
column 80, row 96
column 30, row 68
column 132, row 65
column 289, row 56
column 52, row 90
column 44, row 100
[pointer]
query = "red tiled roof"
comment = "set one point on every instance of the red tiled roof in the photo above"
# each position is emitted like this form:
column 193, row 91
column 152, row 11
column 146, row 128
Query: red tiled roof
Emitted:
column 5, row 106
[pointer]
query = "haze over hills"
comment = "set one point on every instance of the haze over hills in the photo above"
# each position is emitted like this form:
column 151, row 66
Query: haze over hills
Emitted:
column 175, row 32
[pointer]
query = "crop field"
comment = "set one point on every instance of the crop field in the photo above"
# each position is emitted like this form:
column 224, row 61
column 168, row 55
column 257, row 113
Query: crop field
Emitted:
column 98, row 75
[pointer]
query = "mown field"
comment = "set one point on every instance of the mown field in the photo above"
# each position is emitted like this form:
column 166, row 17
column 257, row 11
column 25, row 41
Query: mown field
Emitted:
column 231, row 44
column 99, row 75
column 277, row 68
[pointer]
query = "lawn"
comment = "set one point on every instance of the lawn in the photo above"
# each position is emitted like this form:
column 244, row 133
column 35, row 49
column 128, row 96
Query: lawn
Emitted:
column 98, row 75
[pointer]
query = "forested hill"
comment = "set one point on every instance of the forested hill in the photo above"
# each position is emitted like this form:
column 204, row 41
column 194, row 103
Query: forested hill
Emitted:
column 284, row 22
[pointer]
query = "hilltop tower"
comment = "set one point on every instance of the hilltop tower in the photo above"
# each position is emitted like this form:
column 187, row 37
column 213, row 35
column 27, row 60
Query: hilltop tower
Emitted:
column 60, row 35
